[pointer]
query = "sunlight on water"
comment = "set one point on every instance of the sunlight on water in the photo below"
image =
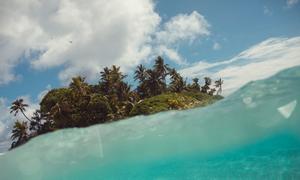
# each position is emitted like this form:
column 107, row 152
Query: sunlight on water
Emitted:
column 253, row 133
column 287, row 110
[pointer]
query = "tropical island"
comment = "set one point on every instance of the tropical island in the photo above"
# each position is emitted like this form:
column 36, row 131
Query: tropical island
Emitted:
column 82, row 104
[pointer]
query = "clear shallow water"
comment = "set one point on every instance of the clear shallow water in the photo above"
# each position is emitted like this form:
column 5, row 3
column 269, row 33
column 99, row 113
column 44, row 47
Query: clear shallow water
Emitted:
column 253, row 134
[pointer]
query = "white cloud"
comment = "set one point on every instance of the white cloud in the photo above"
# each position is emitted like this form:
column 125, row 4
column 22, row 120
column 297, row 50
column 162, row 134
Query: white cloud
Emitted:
column 180, row 28
column 183, row 27
column 291, row 3
column 84, row 37
column 171, row 54
column 43, row 93
column 217, row 46
column 6, row 124
column 258, row 62
column 10, row 54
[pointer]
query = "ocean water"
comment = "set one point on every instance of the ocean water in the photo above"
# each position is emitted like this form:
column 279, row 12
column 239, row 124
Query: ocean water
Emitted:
column 252, row 134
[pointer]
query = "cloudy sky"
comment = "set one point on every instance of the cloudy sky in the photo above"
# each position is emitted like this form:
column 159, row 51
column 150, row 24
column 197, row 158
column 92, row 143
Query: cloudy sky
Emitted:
column 44, row 43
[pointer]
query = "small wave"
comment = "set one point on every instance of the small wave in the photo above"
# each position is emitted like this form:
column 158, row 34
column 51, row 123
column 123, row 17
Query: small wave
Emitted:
column 240, row 134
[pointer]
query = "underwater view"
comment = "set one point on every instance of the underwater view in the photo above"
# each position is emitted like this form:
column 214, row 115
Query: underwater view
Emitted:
column 252, row 134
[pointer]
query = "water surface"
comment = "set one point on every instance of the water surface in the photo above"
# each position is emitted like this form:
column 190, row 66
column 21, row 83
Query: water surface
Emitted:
column 252, row 134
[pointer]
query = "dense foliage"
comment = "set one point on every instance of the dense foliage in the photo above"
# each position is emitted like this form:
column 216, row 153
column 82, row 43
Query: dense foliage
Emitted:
column 82, row 104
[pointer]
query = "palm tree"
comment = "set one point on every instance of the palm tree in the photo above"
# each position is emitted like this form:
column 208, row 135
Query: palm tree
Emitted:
column 79, row 86
column 140, row 73
column 195, row 85
column 113, row 87
column 207, row 81
column 41, row 123
column 18, row 106
column 105, row 82
column 212, row 91
column 177, row 83
column 116, row 74
column 19, row 133
column 218, row 85
column 161, row 69
column 206, row 87
column 36, row 123
column 153, row 83
column 123, row 92
column 117, row 78
column 111, row 80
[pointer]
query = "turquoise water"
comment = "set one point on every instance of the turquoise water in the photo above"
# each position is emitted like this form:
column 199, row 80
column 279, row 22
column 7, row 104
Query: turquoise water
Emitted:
column 252, row 134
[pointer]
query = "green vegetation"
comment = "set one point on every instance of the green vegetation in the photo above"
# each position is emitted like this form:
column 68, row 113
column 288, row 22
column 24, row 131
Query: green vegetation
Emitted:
column 81, row 104
column 171, row 101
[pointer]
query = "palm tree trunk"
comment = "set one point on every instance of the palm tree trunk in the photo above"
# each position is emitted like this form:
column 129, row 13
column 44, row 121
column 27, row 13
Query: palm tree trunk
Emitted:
column 25, row 116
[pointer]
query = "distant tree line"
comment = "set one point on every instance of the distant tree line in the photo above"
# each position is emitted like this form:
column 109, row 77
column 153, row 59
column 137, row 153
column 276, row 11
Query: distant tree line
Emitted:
column 82, row 104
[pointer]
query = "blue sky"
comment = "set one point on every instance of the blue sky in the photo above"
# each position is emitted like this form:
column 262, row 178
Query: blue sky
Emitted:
column 44, row 43
column 234, row 27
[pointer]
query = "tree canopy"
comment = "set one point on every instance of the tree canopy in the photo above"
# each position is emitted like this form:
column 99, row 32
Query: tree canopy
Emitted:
column 82, row 104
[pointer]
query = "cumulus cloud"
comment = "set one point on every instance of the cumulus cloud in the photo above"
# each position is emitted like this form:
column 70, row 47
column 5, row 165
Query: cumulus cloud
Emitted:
column 171, row 53
column 4, row 115
column 6, row 124
column 84, row 37
column 180, row 28
column 258, row 62
column 291, row 3
column 183, row 27
column 81, row 36
column 42, row 94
